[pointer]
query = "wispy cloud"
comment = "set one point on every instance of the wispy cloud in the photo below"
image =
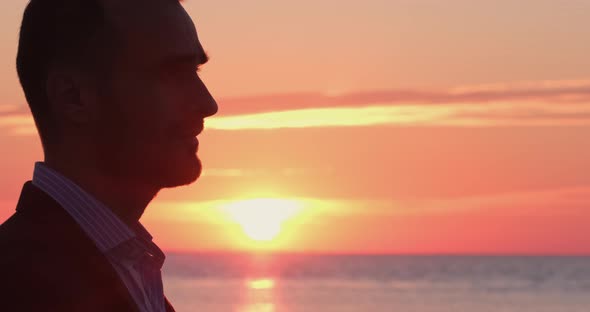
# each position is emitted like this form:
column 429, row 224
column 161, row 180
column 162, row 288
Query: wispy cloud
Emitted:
column 16, row 123
column 381, row 114
column 548, row 103
column 571, row 202
column 550, row 91
column 549, row 203
column 16, row 120
column 545, row 103
column 264, row 172
column 8, row 109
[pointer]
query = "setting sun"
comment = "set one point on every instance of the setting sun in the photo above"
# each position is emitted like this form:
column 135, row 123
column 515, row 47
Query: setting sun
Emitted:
column 261, row 219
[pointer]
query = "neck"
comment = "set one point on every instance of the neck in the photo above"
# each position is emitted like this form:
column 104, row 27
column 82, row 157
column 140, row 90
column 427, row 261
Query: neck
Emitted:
column 127, row 198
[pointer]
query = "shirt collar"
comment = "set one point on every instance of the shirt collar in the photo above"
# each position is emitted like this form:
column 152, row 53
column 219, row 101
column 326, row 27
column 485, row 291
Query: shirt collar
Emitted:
column 96, row 219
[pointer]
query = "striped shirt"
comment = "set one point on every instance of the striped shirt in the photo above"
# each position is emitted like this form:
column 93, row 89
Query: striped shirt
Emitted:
column 130, row 249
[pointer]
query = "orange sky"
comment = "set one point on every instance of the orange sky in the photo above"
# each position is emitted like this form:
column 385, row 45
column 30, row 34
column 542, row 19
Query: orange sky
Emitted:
column 391, row 126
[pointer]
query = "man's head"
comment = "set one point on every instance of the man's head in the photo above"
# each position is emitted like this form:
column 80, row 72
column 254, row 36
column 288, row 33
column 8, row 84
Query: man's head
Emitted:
column 117, row 78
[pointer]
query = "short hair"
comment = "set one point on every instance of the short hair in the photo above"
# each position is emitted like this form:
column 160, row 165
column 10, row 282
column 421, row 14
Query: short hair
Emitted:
column 54, row 33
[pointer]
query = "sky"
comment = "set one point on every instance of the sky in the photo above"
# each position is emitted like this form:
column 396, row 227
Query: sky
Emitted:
column 377, row 126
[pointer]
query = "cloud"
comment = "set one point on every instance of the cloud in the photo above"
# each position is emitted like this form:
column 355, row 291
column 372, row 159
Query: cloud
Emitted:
column 264, row 172
column 16, row 120
column 546, row 103
column 572, row 201
column 11, row 109
column 18, row 124
column 382, row 114
column 555, row 91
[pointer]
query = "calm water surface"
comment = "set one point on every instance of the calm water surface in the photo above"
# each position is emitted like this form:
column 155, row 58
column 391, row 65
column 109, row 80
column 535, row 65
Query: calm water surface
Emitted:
column 288, row 283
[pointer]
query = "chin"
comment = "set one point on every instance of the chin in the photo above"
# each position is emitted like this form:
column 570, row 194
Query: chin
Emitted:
column 179, row 174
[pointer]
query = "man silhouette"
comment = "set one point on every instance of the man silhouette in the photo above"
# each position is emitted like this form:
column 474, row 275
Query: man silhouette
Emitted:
column 113, row 89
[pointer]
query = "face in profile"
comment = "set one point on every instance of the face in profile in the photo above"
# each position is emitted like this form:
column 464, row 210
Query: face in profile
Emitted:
column 153, row 104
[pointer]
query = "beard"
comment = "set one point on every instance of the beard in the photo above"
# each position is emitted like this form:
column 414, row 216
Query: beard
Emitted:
column 165, row 165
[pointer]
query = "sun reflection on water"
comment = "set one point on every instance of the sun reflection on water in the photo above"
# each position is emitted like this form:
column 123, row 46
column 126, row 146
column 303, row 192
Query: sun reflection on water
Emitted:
column 260, row 295
column 263, row 283
column 259, row 307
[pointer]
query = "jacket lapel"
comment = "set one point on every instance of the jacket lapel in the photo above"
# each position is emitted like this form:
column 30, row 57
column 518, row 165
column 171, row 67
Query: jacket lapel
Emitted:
column 74, row 253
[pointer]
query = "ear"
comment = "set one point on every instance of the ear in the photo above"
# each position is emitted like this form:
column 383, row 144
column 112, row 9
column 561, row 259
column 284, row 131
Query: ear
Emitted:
column 64, row 90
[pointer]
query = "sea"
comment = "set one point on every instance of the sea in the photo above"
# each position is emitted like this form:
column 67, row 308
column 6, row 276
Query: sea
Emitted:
column 376, row 283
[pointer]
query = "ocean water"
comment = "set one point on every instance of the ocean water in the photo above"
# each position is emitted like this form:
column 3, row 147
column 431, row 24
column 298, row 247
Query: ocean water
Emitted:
column 289, row 283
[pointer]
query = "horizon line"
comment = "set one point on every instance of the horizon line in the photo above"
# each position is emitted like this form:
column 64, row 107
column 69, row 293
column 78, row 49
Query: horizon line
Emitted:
column 237, row 252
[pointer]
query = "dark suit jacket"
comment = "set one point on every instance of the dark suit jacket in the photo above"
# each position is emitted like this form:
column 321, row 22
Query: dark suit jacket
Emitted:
column 47, row 263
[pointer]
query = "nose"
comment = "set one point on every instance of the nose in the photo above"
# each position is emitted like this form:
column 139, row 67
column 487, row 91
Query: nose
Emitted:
column 204, row 103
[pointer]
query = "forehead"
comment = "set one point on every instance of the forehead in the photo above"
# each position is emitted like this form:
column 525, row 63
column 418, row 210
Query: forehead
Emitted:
column 153, row 30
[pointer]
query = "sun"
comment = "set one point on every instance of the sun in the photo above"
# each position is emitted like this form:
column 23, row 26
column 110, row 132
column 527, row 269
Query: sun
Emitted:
column 261, row 219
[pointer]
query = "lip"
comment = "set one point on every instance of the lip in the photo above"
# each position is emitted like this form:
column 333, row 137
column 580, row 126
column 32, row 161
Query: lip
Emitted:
column 197, row 132
column 193, row 134
column 193, row 141
column 189, row 136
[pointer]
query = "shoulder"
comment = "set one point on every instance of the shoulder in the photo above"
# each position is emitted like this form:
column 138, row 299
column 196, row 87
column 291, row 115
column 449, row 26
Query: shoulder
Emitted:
column 28, row 281
column 45, row 244
column 46, row 258
column 49, row 265
column 20, row 242
column 27, row 251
